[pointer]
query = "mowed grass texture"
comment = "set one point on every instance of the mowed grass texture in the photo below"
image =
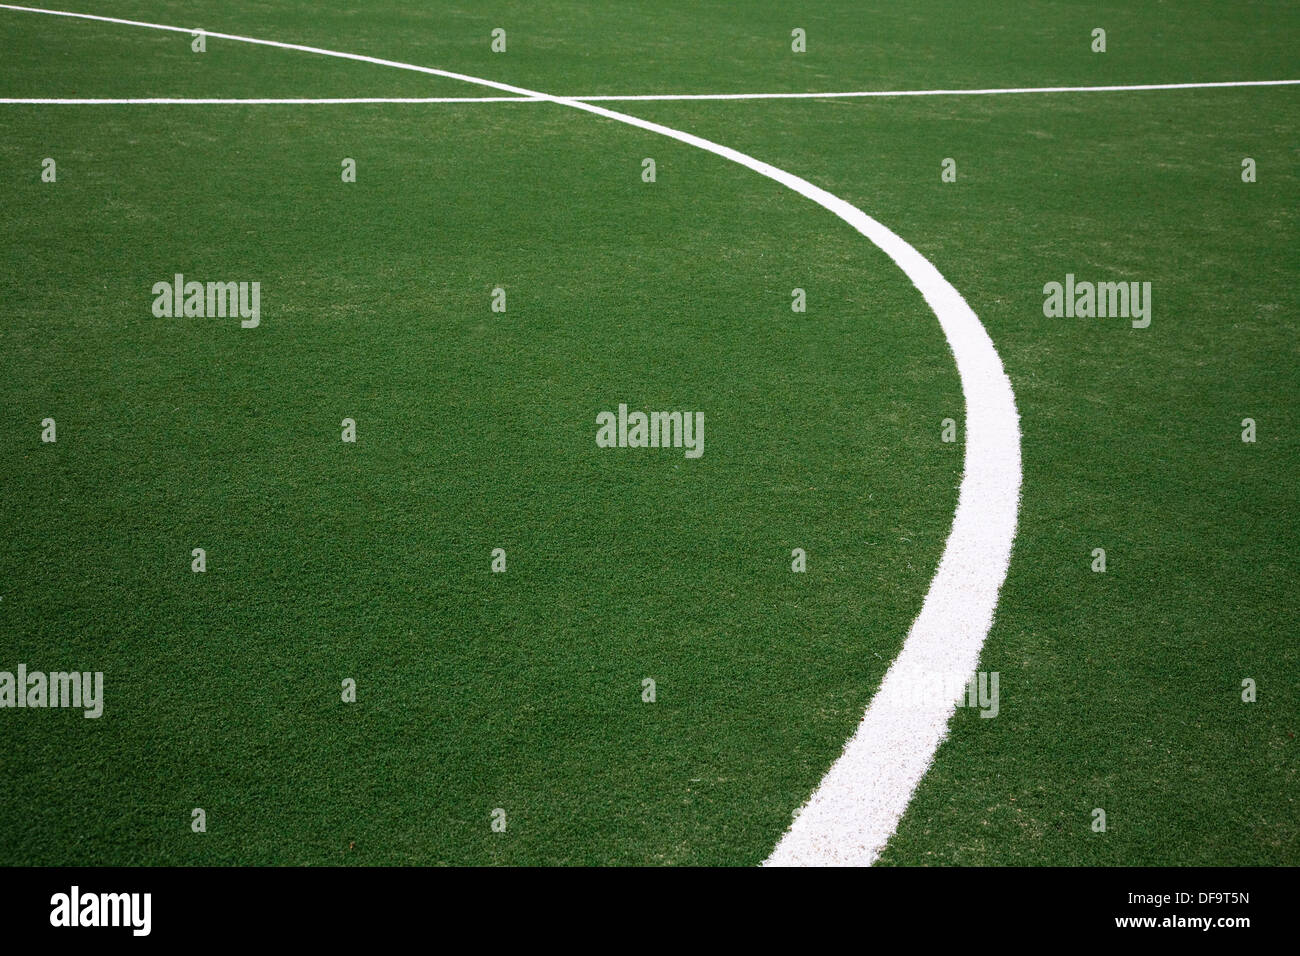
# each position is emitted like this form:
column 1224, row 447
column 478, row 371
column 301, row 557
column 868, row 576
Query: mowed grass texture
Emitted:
column 476, row 430
column 1120, row 691
column 523, row 690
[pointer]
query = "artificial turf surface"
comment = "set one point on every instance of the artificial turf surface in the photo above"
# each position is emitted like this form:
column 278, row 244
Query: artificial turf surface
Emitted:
column 475, row 431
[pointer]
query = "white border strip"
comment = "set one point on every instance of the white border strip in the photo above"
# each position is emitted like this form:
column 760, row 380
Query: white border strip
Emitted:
column 860, row 801
column 640, row 98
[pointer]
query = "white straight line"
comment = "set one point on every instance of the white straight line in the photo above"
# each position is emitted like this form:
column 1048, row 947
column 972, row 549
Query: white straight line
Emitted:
column 647, row 97
column 986, row 92
column 257, row 101
column 858, row 804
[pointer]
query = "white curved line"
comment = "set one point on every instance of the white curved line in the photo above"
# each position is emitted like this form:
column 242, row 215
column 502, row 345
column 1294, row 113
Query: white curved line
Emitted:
column 856, row 807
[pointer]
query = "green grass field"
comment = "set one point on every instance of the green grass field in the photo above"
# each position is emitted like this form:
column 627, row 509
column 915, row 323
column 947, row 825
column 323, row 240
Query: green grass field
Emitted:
column 371, row 561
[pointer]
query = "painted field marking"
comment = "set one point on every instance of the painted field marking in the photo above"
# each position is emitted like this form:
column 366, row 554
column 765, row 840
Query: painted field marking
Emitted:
column 253, row 101
column 609, row 98
column 997, row 91
column 859, row 802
